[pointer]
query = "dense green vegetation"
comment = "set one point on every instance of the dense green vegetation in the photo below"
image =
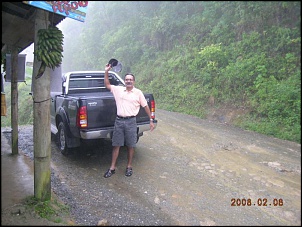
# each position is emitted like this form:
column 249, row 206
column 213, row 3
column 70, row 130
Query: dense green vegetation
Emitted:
column 196, row 56
column 25, row 102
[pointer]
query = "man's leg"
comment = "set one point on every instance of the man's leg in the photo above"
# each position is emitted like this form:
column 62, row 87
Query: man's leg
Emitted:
column 117, row 141
column 130, row 156
column 111, row 170
column 115, row 153
column 129, row 170
column 131, row 139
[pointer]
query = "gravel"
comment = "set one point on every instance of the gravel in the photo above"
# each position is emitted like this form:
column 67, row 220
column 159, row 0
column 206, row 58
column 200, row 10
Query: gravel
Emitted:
column 85, row 209
column 25, row 142
column 186, row 173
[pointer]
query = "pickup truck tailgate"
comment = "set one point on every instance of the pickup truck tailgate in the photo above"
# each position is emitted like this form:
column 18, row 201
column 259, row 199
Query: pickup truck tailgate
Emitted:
column 101, row 110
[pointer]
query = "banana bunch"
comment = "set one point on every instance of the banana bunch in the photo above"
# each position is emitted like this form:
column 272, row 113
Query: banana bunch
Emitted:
column 49, row 48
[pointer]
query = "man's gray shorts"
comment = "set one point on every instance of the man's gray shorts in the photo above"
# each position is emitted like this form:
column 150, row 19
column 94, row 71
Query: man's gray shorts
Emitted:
column 125, row 132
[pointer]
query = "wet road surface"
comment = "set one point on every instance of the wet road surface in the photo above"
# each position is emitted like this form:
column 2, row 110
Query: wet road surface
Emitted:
column 187, row 171
column 191, row 172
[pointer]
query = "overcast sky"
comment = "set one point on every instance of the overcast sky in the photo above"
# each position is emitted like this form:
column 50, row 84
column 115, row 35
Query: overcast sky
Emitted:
column 29, row 53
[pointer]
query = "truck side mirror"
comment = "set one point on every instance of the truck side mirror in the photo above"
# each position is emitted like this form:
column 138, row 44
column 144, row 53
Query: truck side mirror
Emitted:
column 63, row 87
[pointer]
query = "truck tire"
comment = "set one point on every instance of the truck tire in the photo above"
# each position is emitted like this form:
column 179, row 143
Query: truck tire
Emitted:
column 62, row 137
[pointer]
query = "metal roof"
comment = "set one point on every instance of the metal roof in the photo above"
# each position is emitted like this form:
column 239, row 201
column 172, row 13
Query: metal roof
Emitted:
column 18, row 24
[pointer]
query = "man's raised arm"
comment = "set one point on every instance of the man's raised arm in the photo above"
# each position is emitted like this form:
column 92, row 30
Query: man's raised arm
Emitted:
column 106, row 79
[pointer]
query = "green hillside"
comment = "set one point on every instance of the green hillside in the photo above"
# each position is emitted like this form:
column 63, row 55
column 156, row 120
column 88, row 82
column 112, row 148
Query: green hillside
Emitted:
column 234, row 60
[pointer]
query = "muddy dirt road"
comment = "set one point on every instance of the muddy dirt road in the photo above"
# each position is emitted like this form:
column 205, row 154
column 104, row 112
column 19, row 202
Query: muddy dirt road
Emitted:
column 187, row 171
column 192, row 172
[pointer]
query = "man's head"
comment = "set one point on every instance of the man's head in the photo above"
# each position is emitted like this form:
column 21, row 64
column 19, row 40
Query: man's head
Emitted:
column 129, row 80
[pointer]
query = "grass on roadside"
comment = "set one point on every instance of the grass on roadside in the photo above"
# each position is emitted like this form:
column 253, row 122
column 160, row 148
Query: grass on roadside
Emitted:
column 51, row 210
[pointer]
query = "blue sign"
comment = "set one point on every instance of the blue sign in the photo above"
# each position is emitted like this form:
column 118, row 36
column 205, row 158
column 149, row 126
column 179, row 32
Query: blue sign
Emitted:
column 72, row 9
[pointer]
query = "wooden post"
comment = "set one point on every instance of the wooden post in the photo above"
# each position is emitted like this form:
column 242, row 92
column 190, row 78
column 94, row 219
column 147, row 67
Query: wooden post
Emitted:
column 42, row 132
column 14, row 99
column 3, row 100
column 3, row 104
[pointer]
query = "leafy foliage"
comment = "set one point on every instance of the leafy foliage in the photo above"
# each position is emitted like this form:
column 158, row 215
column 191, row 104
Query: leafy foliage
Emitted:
column 25, row 102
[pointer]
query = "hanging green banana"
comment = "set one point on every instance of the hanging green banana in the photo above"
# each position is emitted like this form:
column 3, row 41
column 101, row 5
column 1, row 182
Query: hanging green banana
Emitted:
column 49, row 48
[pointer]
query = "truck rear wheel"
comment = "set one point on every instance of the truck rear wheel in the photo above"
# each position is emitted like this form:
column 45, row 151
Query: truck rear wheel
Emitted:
column 62, row 137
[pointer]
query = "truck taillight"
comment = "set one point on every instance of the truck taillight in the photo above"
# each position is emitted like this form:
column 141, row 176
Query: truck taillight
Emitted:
column 82, row 117
column 152, row 109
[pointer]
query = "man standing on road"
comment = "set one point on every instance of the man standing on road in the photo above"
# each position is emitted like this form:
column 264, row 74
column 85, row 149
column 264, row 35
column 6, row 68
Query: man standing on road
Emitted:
column 128, row 101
